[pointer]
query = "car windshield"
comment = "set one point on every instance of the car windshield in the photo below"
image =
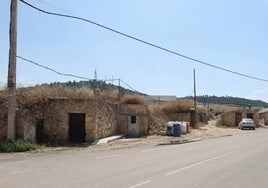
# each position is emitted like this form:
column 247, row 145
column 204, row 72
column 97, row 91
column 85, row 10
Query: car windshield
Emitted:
column 247, row 120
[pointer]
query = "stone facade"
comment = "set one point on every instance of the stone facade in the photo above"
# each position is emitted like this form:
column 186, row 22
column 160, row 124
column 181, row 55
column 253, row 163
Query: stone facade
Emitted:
column 232, row 118
column 263, row 116
column 138, row 112
column 3, row 119
column 186, row 116
column 3, row 125
column 100, row 118
column 54, row 116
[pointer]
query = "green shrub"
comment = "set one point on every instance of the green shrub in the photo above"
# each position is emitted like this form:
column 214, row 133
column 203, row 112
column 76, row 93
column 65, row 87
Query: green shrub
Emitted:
column 219, row 123
column 218, row 112
column 17, row 146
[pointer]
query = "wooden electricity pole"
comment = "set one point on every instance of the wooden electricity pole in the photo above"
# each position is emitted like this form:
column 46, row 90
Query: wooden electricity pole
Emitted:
column 194, row 92
column 194, row 115
column 11, row 80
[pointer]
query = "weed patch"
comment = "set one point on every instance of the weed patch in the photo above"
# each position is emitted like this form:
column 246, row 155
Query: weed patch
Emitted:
column 17, row 146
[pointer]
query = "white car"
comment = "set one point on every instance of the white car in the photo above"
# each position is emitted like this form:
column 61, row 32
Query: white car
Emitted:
column 246, row 123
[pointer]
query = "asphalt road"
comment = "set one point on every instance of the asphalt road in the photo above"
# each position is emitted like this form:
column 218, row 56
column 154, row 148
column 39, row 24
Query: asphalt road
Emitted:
column 235, row 161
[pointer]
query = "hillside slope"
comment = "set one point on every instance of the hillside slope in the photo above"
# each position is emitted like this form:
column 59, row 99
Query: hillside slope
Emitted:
column 204, row 99
column 228, row 100
column 94, row 85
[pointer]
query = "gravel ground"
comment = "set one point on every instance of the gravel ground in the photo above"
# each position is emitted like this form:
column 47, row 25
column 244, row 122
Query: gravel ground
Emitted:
column 208, row 131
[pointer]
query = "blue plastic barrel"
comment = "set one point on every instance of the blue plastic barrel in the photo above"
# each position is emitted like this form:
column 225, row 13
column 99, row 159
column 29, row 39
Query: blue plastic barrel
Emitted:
column 176, row 130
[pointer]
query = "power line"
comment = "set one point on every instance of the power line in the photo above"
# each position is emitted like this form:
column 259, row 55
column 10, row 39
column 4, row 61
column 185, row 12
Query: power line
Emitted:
column 75, row 76
column 54, row 6
column 129, row 86
column 72, row 75
column 59, row 73
column 145, row 42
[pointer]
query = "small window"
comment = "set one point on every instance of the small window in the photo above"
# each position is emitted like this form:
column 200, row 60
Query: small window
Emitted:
column 133, row 119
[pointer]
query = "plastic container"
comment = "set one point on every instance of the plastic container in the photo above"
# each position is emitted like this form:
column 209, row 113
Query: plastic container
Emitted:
column 176, row 130
column 183, row 128
column 169, row 130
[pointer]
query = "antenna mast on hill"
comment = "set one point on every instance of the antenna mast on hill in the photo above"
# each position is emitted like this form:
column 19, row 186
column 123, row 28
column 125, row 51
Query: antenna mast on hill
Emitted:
column 95, row 74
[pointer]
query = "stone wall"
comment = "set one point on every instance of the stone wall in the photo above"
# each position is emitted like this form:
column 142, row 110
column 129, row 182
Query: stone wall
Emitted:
column 100, row 119
column 229, row 118
column 263, row 117
column 3, row 119
column 179, row 116
column 26, row 119
column 141, row 111
column 3, row 128
column 266, row 118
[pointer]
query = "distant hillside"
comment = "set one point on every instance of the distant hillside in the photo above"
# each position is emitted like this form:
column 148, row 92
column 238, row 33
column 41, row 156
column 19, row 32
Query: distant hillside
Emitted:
column 94, row 85
column 205, row 99
column 236, row 101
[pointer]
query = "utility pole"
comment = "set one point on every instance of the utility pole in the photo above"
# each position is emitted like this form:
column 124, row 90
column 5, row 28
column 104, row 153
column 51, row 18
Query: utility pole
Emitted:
column 11, row 80
column 119, row 90
column 194, row 92
column 193, row 112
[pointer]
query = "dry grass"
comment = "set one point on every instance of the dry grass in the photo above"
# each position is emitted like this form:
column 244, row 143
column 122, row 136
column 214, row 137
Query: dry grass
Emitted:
column 177, row 106
column 165, row 111
column 108, row 95
column 41, row 94
column 211, row 116
column 221, row 107
column 3, row 95
column 155, row 109
column 133, row 99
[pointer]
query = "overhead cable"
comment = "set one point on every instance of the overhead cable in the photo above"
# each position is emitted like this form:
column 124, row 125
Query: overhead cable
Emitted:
column 72, row 75
column 59, row 73
column 53, row 6
column 145, row 42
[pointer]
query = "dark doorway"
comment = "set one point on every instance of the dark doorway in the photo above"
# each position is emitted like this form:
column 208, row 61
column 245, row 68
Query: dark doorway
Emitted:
column 39, row 131
column 77, row 132
column 238, row 118
column 250, row 115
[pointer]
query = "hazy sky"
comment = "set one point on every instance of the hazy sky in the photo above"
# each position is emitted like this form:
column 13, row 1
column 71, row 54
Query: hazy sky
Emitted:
column 232, row 34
